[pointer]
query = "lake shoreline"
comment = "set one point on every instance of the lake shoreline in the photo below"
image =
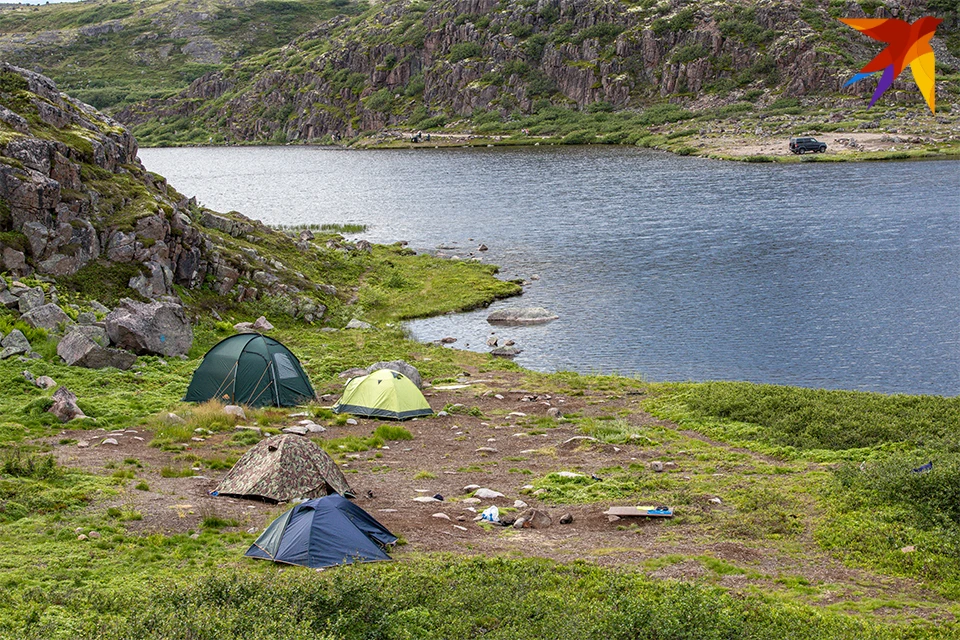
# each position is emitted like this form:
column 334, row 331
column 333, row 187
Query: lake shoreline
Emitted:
column 746, row 148
column 704, row 262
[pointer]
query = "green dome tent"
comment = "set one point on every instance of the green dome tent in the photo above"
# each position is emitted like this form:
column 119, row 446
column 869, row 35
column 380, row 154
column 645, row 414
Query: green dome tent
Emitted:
column 383, row 394
column 250, row 369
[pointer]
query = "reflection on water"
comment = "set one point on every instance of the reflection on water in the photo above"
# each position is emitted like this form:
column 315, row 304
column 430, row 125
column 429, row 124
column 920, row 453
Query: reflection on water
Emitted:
column 837, row 276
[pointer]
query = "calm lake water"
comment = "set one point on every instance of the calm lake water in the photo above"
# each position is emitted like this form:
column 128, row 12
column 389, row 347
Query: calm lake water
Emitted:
column 841, row 276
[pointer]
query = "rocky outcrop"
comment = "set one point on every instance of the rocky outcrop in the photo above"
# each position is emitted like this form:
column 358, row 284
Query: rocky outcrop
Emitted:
column 74, row 196
column 82, row 196
column 455, row 58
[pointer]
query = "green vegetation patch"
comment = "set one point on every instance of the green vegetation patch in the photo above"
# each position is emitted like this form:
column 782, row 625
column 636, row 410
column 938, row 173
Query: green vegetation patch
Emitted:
column 445, row 597
column 809, row 419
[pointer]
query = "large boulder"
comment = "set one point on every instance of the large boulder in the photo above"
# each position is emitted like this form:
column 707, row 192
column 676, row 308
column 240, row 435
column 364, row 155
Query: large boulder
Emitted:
column 80, row 349
column 48, row 316
column 160, row 328
column 7, row 299
column 65, row 405
column 399, row 365
column 31, row 299
column 521, row 315
column 14, row 344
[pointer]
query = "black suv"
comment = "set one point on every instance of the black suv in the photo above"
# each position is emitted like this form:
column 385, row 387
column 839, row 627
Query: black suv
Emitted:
column 802, row 145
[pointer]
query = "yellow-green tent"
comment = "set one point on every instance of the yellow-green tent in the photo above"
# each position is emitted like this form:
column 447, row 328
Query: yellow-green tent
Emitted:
column 383, row 394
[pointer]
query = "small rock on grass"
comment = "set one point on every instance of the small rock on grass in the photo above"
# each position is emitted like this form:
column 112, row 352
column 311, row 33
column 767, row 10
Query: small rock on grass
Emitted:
column 172, row 418
column 566, row 518
column 533, row 519
column 236, row 411
column 487, row 494
column 441, row 516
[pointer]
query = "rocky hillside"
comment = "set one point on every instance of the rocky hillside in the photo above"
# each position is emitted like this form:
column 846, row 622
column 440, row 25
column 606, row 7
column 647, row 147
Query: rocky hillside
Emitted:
column 76, row 204
column 423, row 64
column 109, row 53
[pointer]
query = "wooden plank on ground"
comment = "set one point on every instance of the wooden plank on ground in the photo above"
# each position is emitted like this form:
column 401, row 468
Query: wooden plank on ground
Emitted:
column 644, row 511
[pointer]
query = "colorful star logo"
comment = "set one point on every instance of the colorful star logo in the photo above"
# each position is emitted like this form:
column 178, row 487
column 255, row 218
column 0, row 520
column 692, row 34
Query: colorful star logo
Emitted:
column 909, row 44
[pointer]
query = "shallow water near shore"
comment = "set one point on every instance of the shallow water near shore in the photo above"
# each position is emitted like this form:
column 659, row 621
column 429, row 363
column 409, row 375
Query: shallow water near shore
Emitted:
column 841, row 276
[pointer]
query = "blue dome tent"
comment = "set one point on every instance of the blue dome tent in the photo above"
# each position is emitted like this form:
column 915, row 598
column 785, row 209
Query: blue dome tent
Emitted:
column 324, row 532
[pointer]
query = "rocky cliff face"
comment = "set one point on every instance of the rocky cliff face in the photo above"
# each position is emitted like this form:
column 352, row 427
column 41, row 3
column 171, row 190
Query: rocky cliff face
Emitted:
column 74, row 199
column 405, row 62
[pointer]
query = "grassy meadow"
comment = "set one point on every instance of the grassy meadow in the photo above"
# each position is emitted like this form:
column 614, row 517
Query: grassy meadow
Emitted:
column 798, row 469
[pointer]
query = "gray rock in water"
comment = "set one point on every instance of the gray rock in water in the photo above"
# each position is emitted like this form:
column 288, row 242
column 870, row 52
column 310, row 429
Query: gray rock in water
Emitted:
column 65, row 405
column 80, row 350
column 522, row 315
column 448, row 340
column 14, row 344
column 492, row 341
column 31, row 299
column 506, row 352
column 48, row 316
column 359, row 324
column 160, row 328
column 400, row 366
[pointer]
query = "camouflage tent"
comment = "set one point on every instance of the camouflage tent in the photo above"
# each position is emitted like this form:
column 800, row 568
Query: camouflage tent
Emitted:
column 283, row 468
